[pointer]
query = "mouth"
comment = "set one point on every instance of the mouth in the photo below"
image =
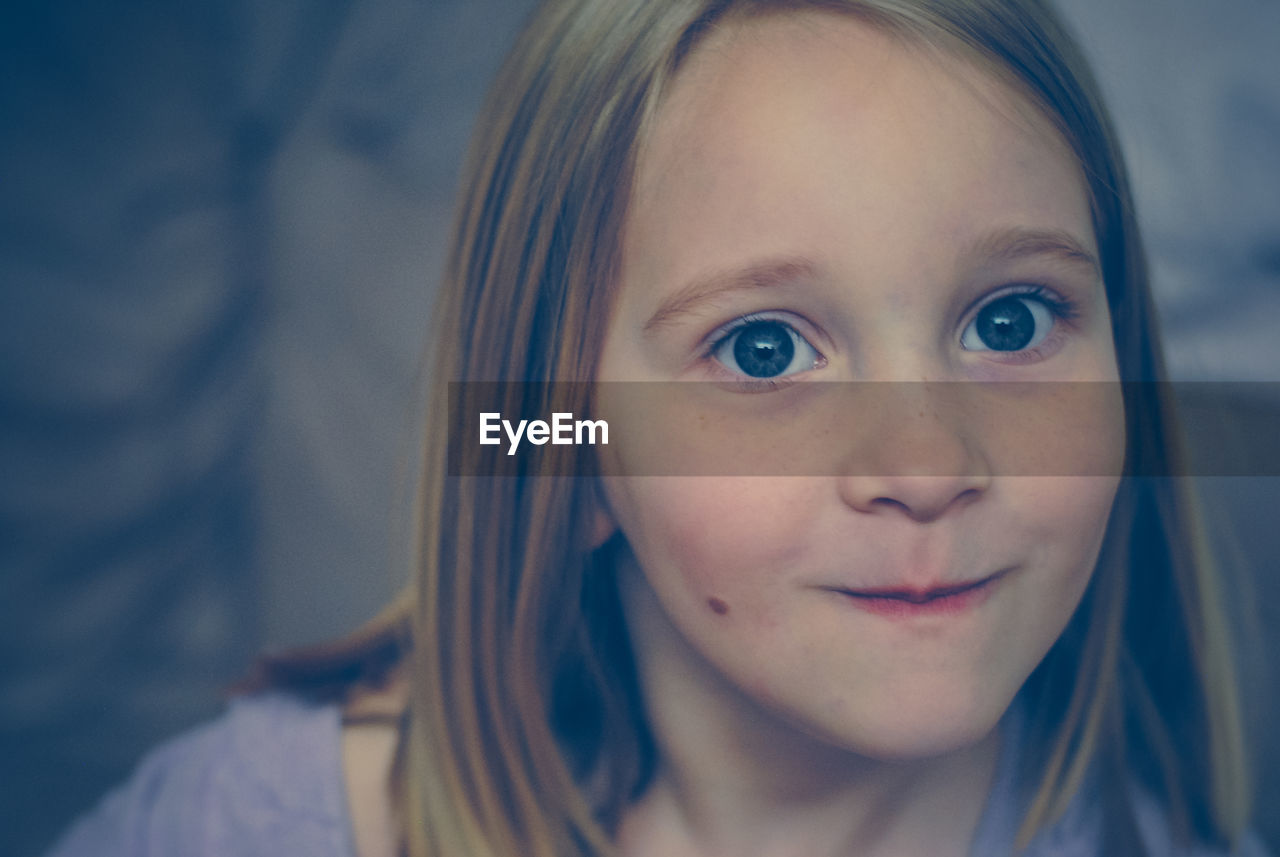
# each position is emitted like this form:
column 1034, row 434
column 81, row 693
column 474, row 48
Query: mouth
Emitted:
column 906, row 602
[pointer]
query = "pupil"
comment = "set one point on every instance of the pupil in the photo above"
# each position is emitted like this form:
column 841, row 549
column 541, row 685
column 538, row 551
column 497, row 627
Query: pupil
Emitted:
column 1006, row 325
column 764, row 349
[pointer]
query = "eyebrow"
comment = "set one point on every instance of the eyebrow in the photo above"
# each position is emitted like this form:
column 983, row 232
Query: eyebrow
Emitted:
column 1011, row 245
column 1005, row 245
column 766, row 274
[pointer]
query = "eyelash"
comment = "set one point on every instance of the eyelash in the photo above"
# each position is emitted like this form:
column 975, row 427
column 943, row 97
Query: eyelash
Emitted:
column 755, row 385
column 1062, row 310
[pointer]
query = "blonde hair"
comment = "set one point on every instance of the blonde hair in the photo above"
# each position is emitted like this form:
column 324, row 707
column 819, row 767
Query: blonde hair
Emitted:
column 526, row 735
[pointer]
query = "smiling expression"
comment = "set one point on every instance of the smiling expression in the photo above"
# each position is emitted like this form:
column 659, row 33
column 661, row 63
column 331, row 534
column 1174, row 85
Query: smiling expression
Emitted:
column 818, row 201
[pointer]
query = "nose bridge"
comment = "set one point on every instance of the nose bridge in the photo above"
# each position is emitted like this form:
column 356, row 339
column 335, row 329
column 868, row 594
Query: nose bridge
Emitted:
column 923, row 429
column 913, row 449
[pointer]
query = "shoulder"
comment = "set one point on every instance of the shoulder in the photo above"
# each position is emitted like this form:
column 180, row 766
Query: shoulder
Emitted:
column 1157, row 833
column 1079, row 832
column 265, row 778
column 370, row 736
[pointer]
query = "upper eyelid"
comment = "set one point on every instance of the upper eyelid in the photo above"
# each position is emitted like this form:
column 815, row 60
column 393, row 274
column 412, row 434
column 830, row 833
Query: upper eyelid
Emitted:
column 1035, row 290
column 721, row 333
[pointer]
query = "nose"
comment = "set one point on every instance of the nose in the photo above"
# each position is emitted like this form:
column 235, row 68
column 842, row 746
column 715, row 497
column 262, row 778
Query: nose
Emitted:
column 912, row 454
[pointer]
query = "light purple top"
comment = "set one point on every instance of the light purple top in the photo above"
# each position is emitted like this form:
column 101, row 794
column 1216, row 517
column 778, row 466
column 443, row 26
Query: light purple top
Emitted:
column 266, row 780
column 263, row 780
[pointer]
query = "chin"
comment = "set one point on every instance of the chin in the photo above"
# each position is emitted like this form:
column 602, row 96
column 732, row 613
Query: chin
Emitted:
column 924, row 721
column 924, row 741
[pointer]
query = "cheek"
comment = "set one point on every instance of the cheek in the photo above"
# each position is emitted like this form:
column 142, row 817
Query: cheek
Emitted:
column 1070, row 521
column 1042, row 429
column 704, row 538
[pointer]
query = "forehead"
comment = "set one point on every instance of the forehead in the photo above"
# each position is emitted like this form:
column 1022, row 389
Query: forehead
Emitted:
column 791, row 124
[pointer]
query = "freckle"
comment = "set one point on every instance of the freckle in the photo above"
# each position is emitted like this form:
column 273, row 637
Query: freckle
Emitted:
column 718, row 606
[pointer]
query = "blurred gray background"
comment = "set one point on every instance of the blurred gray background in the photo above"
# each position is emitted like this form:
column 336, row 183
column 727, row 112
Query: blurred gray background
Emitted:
column 220, row 227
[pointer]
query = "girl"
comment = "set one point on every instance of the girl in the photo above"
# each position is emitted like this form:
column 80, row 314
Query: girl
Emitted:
column 919, row 647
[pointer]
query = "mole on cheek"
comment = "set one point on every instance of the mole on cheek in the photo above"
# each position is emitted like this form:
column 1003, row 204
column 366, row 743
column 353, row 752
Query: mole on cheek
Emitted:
column 718, row 606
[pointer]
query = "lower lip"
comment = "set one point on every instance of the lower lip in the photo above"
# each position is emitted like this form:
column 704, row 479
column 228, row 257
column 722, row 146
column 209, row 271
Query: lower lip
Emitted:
column 942, row 605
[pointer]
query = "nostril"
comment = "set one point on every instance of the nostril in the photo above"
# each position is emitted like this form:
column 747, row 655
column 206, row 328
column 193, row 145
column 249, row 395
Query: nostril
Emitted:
column 922, row 502
column 921, row 511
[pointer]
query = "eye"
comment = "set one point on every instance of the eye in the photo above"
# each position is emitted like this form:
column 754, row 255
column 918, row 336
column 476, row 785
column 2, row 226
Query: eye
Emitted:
column 765, row 348
column 1015, row 322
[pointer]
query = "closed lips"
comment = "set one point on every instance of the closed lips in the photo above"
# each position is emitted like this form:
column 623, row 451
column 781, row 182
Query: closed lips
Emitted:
column 918, row 596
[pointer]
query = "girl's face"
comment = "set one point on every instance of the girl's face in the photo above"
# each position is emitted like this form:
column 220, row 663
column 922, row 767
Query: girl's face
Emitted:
column 819, row 202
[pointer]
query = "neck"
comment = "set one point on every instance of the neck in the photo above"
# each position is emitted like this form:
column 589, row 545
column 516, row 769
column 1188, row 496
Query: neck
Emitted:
column 735, row 778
